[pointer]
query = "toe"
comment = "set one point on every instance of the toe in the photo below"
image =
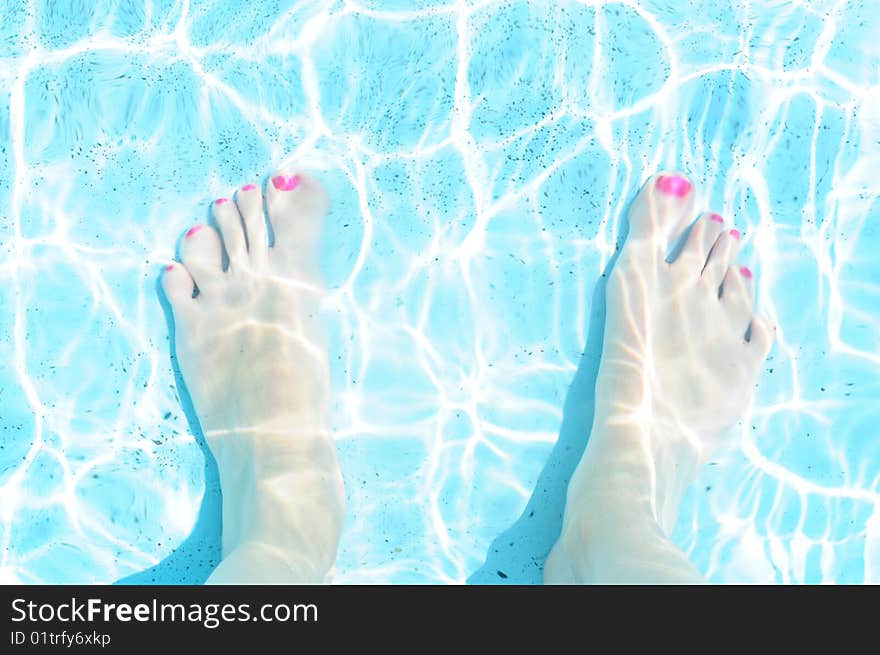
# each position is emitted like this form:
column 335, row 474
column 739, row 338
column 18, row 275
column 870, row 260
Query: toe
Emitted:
column 720, row 256
column 736, row 296
column 762, row 334
column 662, row 210
column 226, row 215
column 250, row 205
column 699, row 242
column 178, row 287
column 296, row 204
column 200, row 253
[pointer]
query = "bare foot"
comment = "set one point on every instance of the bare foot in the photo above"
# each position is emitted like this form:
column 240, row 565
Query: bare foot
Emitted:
column 677, row 371
column 254, row 359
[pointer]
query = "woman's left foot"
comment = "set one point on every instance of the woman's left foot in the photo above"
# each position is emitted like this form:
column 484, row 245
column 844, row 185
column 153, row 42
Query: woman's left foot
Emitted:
column 252, row 353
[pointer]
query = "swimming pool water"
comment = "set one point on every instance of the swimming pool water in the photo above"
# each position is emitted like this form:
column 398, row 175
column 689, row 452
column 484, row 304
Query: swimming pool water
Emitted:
column 480, row 157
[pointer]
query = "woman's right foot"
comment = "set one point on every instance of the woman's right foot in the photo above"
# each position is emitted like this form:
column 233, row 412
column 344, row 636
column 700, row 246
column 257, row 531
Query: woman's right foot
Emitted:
column 677, row 371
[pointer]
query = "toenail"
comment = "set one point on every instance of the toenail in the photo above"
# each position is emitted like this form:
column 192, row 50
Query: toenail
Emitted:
column 285, row 182
column 248, row 187
column 734, row 233
column 673, row 185
column 170, row 267
column 220, row 201
column 193, row 230
column 746, row 273
column 716, row 218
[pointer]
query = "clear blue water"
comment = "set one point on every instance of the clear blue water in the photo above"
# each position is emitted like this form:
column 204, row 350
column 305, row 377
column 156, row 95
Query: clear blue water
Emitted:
column 480, row 157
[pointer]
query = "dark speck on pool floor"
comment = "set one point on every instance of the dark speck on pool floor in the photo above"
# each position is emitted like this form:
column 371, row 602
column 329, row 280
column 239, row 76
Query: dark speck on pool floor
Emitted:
column 502, row 574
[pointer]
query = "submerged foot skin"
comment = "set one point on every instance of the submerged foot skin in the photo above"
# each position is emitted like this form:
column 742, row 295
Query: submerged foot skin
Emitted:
column 681, row 355
column 253, row 356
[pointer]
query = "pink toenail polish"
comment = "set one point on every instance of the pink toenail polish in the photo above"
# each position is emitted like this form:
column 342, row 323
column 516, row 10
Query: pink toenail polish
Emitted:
column 193, row 230
column 746, row 273
column 716, row 218
column 170, row 267
column 673, row 185
column 734, row 233
column 248, row 187
column 220, row 201
column 285, row 182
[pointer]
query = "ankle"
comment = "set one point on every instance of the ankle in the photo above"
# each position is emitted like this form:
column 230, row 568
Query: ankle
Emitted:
column 628, row 468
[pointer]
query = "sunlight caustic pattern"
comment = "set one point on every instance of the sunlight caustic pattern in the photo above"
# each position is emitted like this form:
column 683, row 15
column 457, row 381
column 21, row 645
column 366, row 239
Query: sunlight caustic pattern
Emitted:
column 479, row 157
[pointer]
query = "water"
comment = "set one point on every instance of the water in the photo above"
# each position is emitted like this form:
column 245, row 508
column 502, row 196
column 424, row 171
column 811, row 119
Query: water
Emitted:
column 480, row 157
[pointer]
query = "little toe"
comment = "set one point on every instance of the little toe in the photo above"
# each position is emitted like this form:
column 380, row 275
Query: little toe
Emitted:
column 662, row 210
column 200, row 253
column 699, row 242
column 762, row 334
column 178, row 287
column 720, row 256
column 226, row 215
column 296, row 204
column 737, row 291
column 250, row 205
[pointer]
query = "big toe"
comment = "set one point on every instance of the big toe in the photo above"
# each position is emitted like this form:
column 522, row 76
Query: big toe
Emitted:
column 296, row 205
column 662, row 210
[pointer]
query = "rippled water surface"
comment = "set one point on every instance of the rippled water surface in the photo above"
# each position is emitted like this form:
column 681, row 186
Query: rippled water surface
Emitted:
column 480, row 156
